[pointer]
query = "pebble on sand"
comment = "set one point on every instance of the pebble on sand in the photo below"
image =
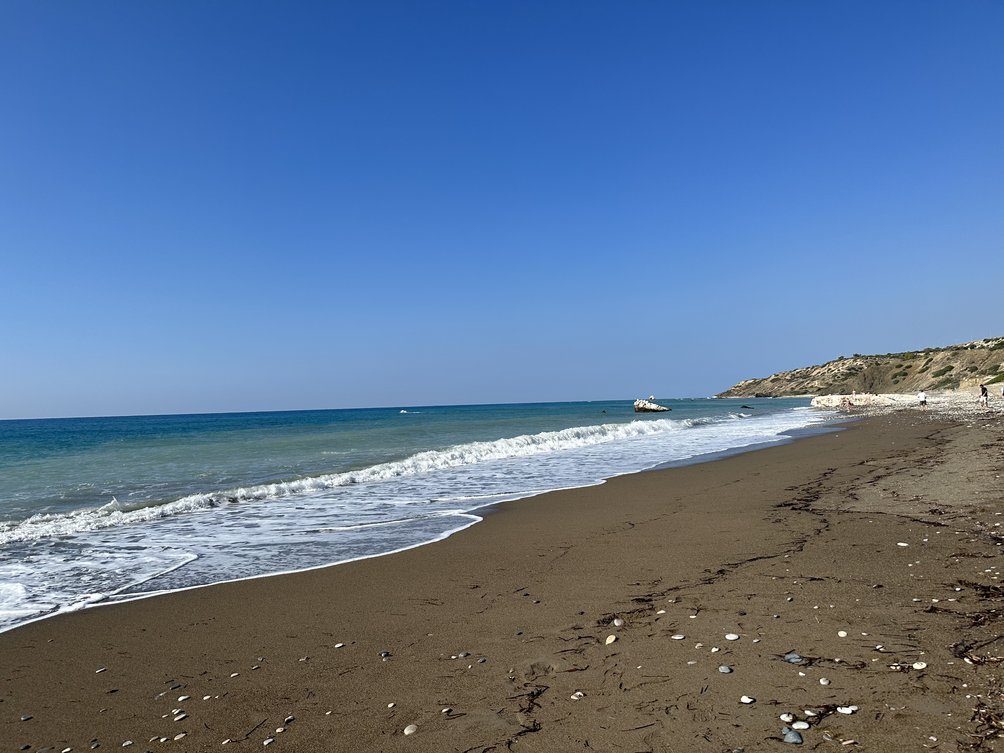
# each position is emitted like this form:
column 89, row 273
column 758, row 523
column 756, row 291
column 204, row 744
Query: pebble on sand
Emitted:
column 678, row 637
column 747, row 699
column 824, row 681
column 731, row 637
column 842, row 633
column 920, row 665
column 791, row 736
column 610, row 639
column 411, row 729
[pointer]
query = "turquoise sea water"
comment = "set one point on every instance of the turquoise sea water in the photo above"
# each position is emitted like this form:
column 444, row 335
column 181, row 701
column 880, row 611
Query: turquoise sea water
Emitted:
column 98, row 509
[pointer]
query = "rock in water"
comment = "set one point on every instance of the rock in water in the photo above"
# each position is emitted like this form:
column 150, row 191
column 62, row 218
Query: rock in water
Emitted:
column 647, row 406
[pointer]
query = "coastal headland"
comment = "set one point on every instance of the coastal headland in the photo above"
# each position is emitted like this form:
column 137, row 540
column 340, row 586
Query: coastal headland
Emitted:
column 849, row 579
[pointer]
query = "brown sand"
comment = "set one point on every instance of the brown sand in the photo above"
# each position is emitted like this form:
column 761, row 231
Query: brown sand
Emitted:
column 505, row 621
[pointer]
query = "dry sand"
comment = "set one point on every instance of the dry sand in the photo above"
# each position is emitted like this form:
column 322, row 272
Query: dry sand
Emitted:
column 887, row 530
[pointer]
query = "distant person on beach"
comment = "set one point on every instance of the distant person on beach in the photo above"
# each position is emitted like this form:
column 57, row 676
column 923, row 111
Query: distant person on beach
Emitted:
column 922, row 397
column 984, row 395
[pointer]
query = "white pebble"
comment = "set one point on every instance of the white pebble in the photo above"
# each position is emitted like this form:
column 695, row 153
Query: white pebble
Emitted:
column 180, row 716
column 618, row 622
column 127, row 743
column 411, row 729
column 920, row 665
column 268, row 741
column 235, row 674
column 824, row 681
column 678, row 637
column 901, row 543
column 731, row 637
column 183, row 698
column 610, row 639
column 206, row 697
column 842, row 633
column 389, row 705
column 225, row 742
column 747, row 699
column 99, row 671
column 800, row 725
column 846, row 709
column 180, row 735
column 339, row 645
column 578, row 694
column 661, row 611
column 787, row 717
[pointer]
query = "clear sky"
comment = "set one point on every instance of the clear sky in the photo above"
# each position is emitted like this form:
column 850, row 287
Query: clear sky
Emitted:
column 239, row 205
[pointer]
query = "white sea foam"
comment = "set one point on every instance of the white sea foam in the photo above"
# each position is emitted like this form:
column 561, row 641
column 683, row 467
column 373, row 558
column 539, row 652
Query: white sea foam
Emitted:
column 116, row 513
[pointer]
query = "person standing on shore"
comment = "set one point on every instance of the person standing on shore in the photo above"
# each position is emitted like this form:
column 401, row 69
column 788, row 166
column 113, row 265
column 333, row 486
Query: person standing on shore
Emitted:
column 922, row 397
column 984, row 395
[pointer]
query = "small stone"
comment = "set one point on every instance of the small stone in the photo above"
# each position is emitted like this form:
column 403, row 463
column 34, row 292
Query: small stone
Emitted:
column 183, row 698
column 206, row 697
column 787, row 717
column 389, row 705
column 235, row 674
column 411, row 729
column 678, row 637
column 127, row 743
column 618, row 622
column 577, row 695
column 100, row 670
column 901, row 543
column 289, row 719
column 339, row 645
column 800, row 725
column 731, row 637
column 268, row 741
column 793, row 658
column 842, row 633
column 180, row 735
column 279, row 730
column 225, row 742
column 846, row 709
column 725, row 669
column 610, row 639
column 26, row 717
column 824, row 681
column 384, row 654
column 447, row 710
column 181, row 716
column 920, row 665
column 747, row 699
column 792, row 737
column 661, row 611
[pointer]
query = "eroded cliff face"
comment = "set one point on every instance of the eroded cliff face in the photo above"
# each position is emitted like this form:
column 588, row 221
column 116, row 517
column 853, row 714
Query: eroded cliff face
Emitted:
column 954, row 367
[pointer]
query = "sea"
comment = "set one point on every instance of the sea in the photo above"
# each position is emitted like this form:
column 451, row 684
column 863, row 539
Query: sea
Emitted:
column 97, row 510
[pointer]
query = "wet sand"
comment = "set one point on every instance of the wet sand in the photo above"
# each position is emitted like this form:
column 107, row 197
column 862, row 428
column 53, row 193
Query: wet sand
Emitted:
column 887, row 530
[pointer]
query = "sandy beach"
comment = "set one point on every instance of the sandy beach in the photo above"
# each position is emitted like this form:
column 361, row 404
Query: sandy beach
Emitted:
column 637, row 615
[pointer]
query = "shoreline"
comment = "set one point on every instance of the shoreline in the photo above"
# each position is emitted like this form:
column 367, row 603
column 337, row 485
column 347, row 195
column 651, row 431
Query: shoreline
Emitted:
column 475, row 515
column 701, row 550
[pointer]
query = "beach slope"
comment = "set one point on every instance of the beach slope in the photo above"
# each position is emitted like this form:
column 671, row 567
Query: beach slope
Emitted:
column 593, row 619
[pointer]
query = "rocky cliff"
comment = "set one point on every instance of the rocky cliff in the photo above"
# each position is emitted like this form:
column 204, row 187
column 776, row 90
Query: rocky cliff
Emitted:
column 954, row 367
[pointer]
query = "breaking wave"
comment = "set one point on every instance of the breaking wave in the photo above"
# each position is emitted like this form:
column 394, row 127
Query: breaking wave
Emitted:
column 116, row 513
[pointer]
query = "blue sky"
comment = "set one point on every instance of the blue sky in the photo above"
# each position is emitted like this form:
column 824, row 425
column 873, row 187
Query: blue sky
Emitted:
column 233, row 205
